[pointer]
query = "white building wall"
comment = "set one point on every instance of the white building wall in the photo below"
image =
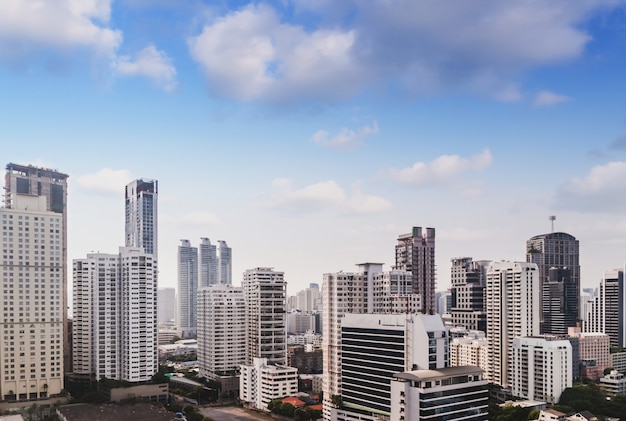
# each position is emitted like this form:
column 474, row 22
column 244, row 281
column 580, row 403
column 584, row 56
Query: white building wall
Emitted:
column 261, row 383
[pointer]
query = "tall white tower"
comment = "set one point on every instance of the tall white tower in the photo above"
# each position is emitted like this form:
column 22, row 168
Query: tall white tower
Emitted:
column 266, row 307
column 225, row 272
column 513, row 311
column 141, row 215
column 187, row 289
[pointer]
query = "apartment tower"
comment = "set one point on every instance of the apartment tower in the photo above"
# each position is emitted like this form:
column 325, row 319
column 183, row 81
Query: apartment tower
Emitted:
column 607, row 309
column 468, row 278
column 415, row 253
column 187, row 289
column 141, row 215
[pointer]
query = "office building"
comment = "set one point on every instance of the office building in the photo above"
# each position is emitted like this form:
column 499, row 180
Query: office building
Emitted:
column 141, row 215
column 607, row 309
column 468, row 279
column 512, row 303
column 415, row 253
column 261, row 383
column 51, row 184
column 221, row 334
column 166, row 298
column 225, row 260
column 187, row 289
column 208, row 263
column 32, row 277
column 542, row 368
column 115, row 320
column 266, row 331
column 554, row 250
column 298, row 323
column 594, row 354
column 449, row 393
column 560, row 301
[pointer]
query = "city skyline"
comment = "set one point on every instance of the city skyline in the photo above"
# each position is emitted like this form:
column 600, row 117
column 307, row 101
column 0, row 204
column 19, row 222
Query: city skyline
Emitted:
column 311, row 171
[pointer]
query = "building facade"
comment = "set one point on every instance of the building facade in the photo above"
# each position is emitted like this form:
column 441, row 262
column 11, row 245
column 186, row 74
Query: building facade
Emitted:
column 141, row 215
column 468, row 279
column 607, row 309
column 166, row 298
column 266, row 307
column 415, row 253
column 225, row 260
column 472, row 349
column 512, row 302
column 187, row 289
column 32, row 276
column 261, row 383
column 560, row 301
column 208, row 263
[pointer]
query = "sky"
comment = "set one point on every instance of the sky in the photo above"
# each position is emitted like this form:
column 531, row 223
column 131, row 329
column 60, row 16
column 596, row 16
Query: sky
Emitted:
column 310, row 134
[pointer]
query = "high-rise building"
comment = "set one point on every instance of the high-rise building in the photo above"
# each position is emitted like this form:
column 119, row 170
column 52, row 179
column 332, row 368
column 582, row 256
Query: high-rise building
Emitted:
column 512, row 302
column 554, row 250
column 221, row 334
column 208, row 263
column 141, row 215
column 468, row 278
column 187, row 289
column 51, row 184
column 166, row 299
column 415, row 253
column 225, row 271
column 33, row 312
column 115, row 318
column 308, row 299
column 542, row 368
column 607, row 309
column 560, row 302
column 266, row 307
column 472, row 349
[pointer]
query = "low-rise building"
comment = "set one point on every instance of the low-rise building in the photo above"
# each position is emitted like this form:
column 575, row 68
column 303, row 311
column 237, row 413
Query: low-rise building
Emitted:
column 260, row 383
column 613, row 383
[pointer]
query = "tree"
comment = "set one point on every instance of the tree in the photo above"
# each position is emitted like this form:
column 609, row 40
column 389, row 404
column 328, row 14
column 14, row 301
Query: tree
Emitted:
column 534, row 414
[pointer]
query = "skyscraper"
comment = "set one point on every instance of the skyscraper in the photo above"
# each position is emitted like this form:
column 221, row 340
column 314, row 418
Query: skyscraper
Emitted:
column 32, row 276
column 208, row 263
column 607, row 309
column 225, row 271
column 51, row 184
column 554, row 250
column 115, row 322
column 512, row 301
column 560, row 302
column 468, row 279
column 415, row 253
column 187, row 289
column 266, row 307
column 141, row 215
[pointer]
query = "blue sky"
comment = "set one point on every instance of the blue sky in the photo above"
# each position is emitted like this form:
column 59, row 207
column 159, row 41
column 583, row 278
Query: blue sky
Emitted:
column 309, row 134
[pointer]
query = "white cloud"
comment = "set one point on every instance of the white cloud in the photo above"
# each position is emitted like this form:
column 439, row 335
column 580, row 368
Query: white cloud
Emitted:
column 602, row 189
column 547, row 98
column 443, row 169
column 151, row 63
column 250, row 55
column 30, row 27
column 325, row 195
column 106, row 180
column 346, row 138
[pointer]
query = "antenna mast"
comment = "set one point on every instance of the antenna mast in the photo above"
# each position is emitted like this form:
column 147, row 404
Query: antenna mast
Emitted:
column 552, row 218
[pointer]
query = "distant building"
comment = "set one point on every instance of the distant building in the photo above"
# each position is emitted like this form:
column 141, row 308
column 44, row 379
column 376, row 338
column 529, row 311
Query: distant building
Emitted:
column 225, row 264
column 166, row 304
column 308, row 300
column 207, row 257
column 607, row 310
column 298, row 323
column 542, row 368
column 187, row 289
column 560, row 301
column 307, row 362
column 613, row 383
column 415, row 253
column 261, row 383
column 594, row 353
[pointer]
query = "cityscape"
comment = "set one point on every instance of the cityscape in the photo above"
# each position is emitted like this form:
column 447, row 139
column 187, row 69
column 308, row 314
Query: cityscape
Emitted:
column 338, row 210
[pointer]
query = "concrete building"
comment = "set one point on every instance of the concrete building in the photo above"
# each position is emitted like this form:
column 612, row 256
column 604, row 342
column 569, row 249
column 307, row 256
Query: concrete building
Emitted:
column 613, row 383
column 266, row 331
column 468, row 279
column 594, row 353
column 607, row 309
column 208, row 263
column 512, row 302
column 450, row 393
column 115, row 319
column 298, row 323
column 51, row 184
column 472, row 349
column 261, row 383
column 221, row 334
column 309, row 299
column 32, row 277
column 415, row 253
column 542, row 368
column 225, row 261
column 618, row 361
column 166, row 299
column 556, row 250
column 141, row 215
column 187, row 289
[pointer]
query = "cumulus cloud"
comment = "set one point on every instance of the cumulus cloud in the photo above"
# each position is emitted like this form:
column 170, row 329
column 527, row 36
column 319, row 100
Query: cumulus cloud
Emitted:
column 250, row 55
column 346, row 138
column 151, row 63
column 443, row 169
column 603, row 189
column 482, row 46
column 106, row 180
column 30, row 27
column 325, row 195
column 547, row 98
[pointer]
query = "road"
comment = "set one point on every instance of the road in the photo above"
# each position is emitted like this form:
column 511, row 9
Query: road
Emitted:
column 232, row 413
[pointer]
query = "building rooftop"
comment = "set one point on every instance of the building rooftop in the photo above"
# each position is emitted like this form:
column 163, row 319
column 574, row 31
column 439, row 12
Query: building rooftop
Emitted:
column 419, row 375
column 111, row 412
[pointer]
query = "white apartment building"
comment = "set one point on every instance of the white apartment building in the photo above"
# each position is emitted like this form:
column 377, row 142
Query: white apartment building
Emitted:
column 221, row 332
column 261, row 383
column 141, row 215
column 32, row 277
column 266, row 331
column 542, row 368
column 449, row 393
column 308, row 300
column 613, row 383
column 364, row 291
column 186, row 319
column 512, row 304
column 115, row 330
column 473, row 350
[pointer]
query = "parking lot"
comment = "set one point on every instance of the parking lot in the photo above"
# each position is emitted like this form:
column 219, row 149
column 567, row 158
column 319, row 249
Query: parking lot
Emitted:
column 231, row 413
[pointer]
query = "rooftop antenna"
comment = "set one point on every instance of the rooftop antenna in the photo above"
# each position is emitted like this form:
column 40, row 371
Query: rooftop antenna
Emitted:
column 552, row 218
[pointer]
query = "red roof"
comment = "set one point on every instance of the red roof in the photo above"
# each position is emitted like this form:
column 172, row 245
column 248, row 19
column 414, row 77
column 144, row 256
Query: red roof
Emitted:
column 294, row 401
